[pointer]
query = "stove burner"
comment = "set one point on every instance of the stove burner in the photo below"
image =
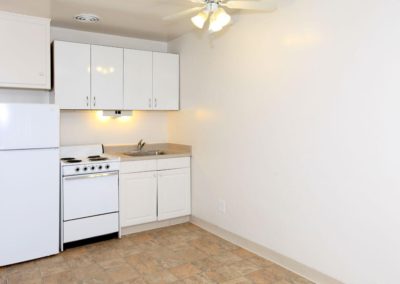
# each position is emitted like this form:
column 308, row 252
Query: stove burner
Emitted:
column 93, row 157
column 73, row 161
column 67, row 159
column 98, row 159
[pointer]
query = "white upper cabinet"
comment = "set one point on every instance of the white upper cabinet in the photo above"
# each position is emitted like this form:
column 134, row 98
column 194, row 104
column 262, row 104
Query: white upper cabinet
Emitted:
column 107, row 77
column 151, row 80
column 110, row 78
column 71, row 63
column 24, row 51
column 138, row 80
column 165, row 81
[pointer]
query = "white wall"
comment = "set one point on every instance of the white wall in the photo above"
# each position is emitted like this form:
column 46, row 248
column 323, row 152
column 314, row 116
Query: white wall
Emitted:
column 86, row 127
column 294, row 118
column 23, row 96
column 58, row 33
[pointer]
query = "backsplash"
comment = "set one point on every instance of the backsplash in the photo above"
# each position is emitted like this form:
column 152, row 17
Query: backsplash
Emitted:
column 91, row 127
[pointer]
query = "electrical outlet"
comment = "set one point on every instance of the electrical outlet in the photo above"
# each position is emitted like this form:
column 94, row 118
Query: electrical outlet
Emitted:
column 222, row 206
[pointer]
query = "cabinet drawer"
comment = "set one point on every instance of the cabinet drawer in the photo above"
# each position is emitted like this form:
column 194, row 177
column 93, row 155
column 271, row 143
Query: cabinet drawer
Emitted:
column 90, row 227
column 174, row 163
column 138, row 166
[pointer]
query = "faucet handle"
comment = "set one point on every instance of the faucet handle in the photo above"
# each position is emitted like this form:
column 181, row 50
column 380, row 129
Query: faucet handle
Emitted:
column 141, row 144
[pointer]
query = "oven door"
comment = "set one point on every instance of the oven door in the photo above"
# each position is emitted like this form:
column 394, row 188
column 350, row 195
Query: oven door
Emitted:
column 90, row 195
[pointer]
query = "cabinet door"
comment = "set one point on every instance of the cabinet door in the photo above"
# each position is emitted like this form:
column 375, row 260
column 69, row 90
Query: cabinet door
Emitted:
column 71, row 75
column 138, row 79
column 138, row 198
column 174, row 198
column 165, row 81
column 24, row 51
column 107, row 77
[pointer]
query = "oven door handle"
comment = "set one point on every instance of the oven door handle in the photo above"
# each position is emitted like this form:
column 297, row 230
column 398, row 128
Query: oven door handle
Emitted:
column 91, row 176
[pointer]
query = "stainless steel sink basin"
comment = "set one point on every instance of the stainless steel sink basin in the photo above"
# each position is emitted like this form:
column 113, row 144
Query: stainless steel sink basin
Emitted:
column 144, row 153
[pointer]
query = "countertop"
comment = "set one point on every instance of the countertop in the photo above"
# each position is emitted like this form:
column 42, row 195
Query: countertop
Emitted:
column 170, row 150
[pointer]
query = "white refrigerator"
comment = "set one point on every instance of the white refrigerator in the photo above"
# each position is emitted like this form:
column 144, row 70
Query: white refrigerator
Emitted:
column 29, row 182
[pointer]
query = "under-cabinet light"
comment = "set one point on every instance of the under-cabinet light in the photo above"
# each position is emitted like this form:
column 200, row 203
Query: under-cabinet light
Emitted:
column 117, row 113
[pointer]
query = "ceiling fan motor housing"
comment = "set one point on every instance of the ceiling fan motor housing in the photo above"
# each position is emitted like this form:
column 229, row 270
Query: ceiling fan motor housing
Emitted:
column 212, row 5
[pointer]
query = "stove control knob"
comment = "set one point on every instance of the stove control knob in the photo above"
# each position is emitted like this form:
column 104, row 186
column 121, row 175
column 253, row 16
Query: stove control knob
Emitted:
column 100, row 167
column 85, row 169
column 92, row 168
column 107, row 167
column 77, row 170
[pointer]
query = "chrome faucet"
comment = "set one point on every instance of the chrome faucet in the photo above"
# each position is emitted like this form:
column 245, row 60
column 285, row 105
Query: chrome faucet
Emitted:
column 140, row 145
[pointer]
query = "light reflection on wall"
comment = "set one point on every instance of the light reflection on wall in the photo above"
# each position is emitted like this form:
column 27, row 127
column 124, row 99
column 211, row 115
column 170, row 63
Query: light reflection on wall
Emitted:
column 125, row 119
column 122, row 119
column 100, row 117
column 204, row 114
column 302, row 39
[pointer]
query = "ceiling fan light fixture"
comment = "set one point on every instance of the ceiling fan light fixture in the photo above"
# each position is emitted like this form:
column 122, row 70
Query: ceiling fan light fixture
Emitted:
column 214, row 26
column 219, row 20
column 200, row 19
column 222, row 17
column 214, row 10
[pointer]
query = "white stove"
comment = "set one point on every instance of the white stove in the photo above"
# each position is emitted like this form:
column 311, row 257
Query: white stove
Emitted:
column 76, row 160
column 89, row 192
column 91, row 164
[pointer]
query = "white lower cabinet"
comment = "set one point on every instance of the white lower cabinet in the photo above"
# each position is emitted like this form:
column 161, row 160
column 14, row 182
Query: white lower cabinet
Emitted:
column 138, row 198
column 154, row 190
column 173, row 195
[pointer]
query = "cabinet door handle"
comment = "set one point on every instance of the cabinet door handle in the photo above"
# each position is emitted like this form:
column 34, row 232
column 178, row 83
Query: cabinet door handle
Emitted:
column 149, row 102
column 94, row 101
column 87, row 101
column 155, row 102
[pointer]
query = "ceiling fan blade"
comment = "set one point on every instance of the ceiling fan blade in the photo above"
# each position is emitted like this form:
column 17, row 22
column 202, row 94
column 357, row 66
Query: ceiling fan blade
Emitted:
column 183, row 13
column 264, row 5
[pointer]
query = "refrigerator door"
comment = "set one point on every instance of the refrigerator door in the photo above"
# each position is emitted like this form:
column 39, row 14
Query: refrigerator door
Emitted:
column 29, row 126
column 29, row 204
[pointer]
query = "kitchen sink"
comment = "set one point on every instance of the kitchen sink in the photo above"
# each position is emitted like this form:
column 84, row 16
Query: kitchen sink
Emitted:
column 144, row 153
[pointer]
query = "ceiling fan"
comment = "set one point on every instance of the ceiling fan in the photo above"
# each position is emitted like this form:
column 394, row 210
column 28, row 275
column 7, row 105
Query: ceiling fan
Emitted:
column 214, row 10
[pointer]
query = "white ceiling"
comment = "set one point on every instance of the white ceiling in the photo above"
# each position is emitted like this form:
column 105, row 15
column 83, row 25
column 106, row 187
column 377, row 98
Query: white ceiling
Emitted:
column 135, row 18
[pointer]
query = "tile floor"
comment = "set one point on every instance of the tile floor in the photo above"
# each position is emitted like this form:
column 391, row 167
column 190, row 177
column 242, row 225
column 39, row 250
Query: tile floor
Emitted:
column 178, row 254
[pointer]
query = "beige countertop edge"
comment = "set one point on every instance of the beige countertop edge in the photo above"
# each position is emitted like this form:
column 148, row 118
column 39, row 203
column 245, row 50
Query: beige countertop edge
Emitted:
column 125, row 158
column 172, row 151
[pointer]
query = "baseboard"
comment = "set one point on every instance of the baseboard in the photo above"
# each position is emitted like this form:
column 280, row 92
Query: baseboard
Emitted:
column 154, row 225
column 288, row 263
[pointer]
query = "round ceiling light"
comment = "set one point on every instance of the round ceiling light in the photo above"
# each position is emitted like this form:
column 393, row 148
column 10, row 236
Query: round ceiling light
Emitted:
column 87, row 18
